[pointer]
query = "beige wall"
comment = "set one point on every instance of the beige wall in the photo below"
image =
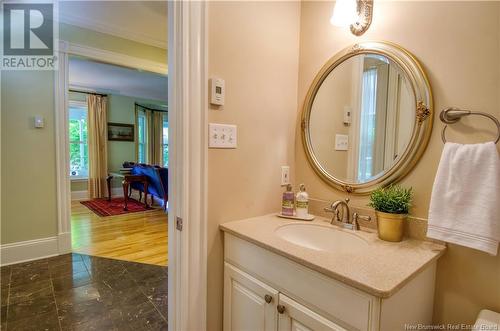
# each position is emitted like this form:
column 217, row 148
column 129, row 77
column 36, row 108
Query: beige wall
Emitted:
column 458, row 44
column 254, row 47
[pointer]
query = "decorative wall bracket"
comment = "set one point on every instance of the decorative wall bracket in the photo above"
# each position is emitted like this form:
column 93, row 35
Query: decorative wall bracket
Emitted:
column 422, row 112
column 365, row 13
column 356, row 48
column 348, row 188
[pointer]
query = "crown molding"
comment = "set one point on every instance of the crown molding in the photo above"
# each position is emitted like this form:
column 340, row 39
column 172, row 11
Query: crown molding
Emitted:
column 111, row 29
column 113, row 58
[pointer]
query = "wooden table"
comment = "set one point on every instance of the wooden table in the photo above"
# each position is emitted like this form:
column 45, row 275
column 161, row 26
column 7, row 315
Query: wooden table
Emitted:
column 127, row 180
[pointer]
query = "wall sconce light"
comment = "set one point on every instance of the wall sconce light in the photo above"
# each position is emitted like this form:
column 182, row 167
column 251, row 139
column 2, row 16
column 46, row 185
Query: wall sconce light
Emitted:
column 354, row 13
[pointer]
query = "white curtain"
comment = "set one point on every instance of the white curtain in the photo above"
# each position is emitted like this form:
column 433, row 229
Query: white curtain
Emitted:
column 367, row 124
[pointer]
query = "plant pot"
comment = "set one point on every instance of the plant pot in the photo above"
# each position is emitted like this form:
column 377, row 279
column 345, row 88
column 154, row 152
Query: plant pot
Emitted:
column 390, row 226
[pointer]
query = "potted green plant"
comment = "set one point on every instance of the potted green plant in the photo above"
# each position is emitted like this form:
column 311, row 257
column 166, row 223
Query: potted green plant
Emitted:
column 391, row 206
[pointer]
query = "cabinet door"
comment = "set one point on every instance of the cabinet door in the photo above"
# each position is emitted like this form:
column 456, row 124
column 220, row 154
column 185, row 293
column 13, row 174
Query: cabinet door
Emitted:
column 295, row 317
column 249, row 304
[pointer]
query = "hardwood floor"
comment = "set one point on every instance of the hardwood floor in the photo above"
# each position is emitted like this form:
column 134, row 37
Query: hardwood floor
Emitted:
column 137, row 237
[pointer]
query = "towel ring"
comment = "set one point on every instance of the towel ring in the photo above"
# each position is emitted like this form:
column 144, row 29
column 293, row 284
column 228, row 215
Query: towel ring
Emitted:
column 452, row 115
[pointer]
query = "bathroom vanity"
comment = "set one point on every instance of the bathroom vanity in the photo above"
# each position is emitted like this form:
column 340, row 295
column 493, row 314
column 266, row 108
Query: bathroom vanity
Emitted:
column 293, row 275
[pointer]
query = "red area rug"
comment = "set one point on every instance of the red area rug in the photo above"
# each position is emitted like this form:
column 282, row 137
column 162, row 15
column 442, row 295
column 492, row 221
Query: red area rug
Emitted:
column 103, row 207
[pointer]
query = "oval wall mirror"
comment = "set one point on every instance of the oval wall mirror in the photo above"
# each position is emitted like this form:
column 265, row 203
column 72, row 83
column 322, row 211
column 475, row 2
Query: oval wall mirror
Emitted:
column 367, row 117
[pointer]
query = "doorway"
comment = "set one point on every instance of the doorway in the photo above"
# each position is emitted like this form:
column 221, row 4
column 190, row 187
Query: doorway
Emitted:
column 187, row 282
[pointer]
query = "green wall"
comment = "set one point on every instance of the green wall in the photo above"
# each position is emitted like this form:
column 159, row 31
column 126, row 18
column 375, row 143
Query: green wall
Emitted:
column 28, row 157
column 120, row 110
column 28, row 186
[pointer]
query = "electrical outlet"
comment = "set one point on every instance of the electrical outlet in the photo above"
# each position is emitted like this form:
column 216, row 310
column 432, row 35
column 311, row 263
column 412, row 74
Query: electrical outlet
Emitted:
column 285, row 175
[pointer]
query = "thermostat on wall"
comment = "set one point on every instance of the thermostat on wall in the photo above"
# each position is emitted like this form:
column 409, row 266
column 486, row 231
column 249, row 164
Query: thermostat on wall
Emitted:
column 217, row 91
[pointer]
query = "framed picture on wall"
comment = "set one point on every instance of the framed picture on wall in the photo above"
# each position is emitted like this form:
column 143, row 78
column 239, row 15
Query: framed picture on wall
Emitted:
column 121, row 132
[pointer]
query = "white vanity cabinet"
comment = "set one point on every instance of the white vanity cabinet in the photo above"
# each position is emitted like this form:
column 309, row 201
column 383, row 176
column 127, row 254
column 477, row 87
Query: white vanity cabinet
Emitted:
column 250, row 304
column 266, row 291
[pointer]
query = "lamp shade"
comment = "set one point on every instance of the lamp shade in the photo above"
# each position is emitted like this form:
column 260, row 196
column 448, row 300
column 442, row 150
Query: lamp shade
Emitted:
column 345, row 13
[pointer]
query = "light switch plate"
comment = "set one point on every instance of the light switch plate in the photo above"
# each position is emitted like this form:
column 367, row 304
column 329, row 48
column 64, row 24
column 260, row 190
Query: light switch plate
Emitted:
column 341, row 142
column 222, row 135
column 39, row 122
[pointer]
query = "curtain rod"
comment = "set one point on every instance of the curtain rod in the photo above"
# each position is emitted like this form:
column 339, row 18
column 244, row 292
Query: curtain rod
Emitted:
column 152, row 109
column 93, row 93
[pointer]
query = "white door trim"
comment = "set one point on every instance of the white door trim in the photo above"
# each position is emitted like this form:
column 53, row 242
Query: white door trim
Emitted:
column 62, row 146
column 188, row 190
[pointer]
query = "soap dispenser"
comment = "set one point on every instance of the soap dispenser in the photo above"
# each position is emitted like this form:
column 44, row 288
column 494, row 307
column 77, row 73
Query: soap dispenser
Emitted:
column 302, row 203
column 287, row 204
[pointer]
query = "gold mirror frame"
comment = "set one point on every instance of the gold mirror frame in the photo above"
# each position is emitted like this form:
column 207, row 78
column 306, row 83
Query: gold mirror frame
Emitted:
column 424, row 113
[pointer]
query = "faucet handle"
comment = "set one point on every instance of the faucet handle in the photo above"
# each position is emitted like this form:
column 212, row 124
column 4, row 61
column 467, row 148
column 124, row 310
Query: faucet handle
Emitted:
column 356, row 217
column 347, row 200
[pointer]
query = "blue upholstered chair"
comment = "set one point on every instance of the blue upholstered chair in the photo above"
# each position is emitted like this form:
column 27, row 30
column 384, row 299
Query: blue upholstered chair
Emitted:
column 157, row 181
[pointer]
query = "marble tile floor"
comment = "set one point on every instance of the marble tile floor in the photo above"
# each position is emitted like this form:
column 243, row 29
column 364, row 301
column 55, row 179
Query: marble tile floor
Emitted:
column 82, row 292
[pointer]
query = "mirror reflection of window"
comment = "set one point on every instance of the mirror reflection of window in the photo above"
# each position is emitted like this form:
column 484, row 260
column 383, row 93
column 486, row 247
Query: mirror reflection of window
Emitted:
column 367, row 124
column 373, row 116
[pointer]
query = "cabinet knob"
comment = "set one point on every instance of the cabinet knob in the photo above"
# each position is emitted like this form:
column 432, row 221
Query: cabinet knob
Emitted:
column 268, row 298
column 281, row 309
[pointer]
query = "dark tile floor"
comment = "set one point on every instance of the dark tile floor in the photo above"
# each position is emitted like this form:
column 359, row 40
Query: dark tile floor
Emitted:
column 81, row 292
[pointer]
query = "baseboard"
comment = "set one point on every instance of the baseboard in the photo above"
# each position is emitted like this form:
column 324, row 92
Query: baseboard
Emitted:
column 29, row 250
column 117, row 192
column 79, row 195
column 84, row 195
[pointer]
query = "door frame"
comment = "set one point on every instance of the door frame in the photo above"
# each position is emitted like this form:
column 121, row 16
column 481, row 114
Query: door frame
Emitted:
column 188, row 70
column 188, row 123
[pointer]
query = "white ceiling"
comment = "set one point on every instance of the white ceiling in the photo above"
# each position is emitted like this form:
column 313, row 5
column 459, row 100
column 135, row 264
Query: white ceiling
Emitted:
column 106, row 78
column 142, row 21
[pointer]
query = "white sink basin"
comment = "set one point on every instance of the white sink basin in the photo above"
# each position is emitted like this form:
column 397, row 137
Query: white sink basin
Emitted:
column 321, row 237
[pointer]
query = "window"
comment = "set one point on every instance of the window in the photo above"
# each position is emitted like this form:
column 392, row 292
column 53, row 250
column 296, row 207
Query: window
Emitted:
column 78, row 147
column 164, row 141
column 144, row 148
column 141, row 137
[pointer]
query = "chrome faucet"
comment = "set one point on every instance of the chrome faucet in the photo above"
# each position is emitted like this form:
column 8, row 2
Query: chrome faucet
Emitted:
column 342, row 216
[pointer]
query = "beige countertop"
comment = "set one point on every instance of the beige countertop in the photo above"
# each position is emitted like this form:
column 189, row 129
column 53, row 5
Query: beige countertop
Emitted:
column 380, row 268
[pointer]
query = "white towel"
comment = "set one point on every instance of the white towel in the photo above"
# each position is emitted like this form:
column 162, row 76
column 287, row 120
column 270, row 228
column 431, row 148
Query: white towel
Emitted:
column 465, row 202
